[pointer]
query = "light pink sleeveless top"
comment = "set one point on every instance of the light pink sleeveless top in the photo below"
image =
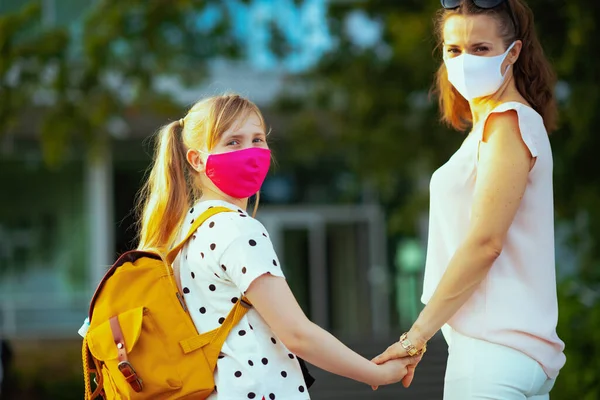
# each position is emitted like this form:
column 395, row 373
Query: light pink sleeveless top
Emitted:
column 516, row 304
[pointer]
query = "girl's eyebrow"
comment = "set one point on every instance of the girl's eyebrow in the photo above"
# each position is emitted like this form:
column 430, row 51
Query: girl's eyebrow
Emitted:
column 232, row 136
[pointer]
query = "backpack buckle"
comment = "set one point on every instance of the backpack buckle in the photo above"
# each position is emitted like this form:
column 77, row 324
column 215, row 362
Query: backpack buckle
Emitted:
column 245, row 304
column 131, row 376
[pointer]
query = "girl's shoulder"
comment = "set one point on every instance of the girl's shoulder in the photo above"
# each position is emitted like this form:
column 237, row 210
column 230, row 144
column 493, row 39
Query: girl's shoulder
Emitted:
column 227, row 225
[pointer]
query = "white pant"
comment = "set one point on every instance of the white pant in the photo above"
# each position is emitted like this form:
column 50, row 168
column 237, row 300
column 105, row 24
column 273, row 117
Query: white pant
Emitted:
column 478, row 369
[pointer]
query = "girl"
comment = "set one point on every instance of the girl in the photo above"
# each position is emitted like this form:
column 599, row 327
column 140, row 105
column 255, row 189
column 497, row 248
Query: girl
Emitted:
column 218, row 155
column 490, row 280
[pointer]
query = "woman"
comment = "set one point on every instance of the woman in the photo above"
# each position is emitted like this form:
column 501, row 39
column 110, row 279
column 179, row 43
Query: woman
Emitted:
column 217, row 155
column 490, row 280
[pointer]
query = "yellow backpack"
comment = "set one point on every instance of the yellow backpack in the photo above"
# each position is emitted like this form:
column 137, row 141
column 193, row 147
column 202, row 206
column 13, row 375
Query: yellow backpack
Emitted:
column 141, row 342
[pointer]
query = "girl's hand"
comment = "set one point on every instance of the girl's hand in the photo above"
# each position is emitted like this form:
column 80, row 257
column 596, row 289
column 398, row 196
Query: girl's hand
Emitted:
column 394, row 371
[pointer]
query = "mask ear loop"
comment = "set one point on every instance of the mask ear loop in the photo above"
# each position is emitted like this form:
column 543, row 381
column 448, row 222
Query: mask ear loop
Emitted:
column 506, row 55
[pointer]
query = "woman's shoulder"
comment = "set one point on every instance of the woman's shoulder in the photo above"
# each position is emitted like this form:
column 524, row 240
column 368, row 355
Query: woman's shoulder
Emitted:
column 524, row 120
column 525, row 114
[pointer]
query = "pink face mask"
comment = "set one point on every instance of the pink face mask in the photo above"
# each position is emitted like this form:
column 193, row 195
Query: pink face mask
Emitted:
column 239, row 173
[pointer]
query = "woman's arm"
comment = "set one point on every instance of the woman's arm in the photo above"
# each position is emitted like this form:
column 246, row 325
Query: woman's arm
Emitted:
column 274, row 301
column 502, row 174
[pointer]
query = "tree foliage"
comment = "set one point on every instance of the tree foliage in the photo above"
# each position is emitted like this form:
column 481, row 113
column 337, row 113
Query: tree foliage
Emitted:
column 77, row 80
column 370, row 108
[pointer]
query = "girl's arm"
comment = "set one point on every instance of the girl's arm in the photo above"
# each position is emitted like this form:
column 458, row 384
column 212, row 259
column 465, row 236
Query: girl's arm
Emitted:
column 274, row 301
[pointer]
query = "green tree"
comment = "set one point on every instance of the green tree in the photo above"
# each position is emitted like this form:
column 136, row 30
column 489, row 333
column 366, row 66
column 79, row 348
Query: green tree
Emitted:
column 107, row 69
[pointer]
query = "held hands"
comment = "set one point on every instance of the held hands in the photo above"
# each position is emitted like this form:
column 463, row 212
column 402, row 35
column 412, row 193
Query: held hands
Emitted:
column 400, row 350
column 396, row 370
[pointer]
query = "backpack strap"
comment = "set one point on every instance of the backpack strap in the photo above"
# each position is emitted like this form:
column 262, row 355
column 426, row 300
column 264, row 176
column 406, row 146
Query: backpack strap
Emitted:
column 91, row 366
column 213, row 341
column 172, row 254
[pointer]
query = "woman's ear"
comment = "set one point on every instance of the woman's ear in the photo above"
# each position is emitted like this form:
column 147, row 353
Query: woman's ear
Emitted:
column 513, row 54
column 195, row 159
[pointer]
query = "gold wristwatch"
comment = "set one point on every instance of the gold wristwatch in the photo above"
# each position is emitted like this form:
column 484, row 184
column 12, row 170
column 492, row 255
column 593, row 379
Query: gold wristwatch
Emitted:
column 409, row 347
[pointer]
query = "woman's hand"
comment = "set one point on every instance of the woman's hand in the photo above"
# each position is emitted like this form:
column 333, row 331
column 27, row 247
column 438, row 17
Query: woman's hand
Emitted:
column 396, row 351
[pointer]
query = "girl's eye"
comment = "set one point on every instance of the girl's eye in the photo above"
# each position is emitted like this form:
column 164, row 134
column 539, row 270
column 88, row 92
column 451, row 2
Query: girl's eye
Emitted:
column 233, row 143
column 258, row 140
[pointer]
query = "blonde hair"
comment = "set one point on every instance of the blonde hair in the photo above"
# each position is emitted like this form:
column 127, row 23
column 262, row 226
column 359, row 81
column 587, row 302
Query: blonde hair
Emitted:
column 173, row 185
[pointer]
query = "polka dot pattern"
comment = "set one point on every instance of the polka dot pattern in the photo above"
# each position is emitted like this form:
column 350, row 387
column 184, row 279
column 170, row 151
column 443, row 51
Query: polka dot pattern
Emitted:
column 225, row 256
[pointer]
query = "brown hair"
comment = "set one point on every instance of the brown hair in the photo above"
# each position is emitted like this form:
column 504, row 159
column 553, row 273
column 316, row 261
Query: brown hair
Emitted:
column 173, row 184
column 532, row 72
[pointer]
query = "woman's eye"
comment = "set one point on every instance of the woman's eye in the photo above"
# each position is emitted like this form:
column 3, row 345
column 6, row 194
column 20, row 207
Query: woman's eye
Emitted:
column 481, row 49
column 453, row 51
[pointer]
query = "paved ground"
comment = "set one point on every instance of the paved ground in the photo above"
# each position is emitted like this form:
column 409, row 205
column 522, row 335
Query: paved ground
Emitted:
column 427, row 385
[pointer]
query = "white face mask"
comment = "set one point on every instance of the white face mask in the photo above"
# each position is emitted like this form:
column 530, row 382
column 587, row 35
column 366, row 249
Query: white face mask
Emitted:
column 476, row 76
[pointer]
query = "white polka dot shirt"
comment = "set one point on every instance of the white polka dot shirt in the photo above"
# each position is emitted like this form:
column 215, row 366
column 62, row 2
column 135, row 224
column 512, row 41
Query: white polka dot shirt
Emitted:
column 218, row 264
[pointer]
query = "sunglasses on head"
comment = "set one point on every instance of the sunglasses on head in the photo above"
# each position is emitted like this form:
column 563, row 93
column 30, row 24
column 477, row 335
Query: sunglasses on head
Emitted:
column 485, row 4
column 450, row 4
